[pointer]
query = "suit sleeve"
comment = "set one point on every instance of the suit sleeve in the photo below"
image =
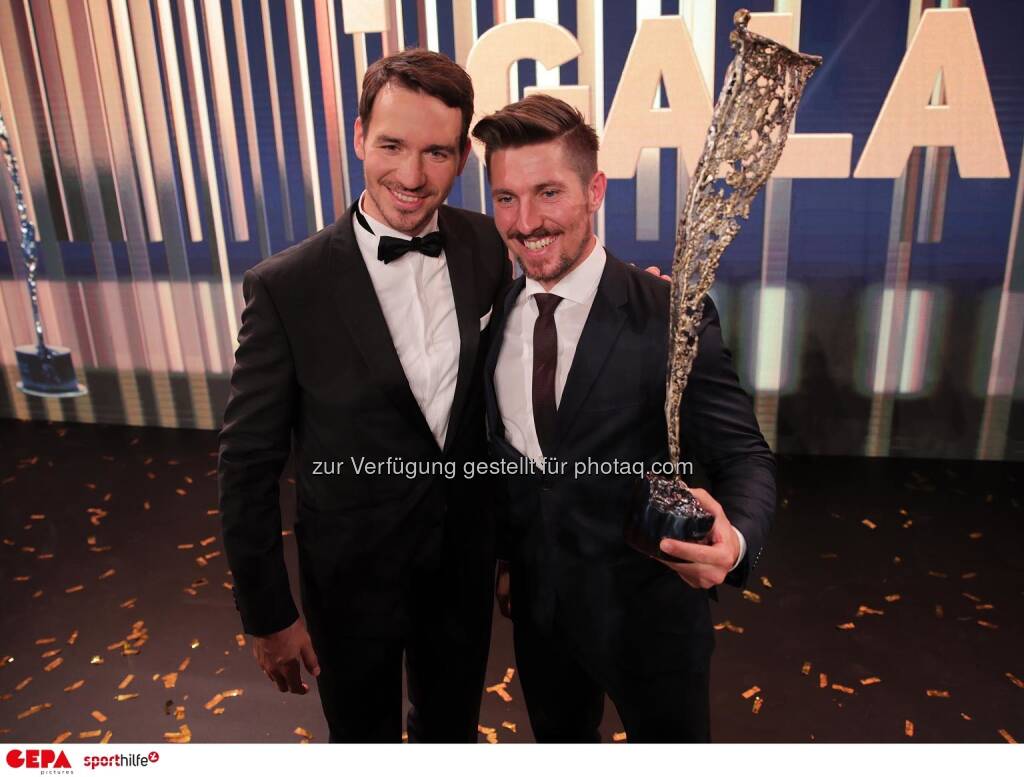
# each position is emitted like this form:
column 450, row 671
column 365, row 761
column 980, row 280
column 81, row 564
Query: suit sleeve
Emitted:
column 718, row 427
column 255, row 443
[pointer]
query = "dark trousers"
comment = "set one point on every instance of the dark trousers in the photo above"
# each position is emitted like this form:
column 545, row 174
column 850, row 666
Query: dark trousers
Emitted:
column 360, row 686
column 445, row 654
column 565, row 682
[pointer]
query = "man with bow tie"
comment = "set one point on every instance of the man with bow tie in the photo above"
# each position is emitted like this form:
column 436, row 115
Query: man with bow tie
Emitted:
column 363, row 343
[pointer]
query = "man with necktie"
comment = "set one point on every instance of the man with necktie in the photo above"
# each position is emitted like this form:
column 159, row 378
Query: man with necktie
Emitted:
column 576, row 375
column 361, row 348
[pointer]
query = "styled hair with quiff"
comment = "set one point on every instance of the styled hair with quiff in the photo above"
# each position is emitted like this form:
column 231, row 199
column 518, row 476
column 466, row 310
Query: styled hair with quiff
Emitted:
column 541, row 118
column 424, row 71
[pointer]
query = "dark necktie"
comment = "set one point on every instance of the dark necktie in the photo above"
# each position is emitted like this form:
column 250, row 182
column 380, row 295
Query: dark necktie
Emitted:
column 545, row 362
column 390, row 248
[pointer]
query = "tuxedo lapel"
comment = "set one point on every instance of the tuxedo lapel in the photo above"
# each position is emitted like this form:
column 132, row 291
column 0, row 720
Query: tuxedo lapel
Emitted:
column 497, row 338
column 358, row 306
column 596, row 343
column 461, row 272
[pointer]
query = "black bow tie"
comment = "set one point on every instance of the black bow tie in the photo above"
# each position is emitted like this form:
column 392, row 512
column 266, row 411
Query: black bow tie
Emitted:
column 390, row 248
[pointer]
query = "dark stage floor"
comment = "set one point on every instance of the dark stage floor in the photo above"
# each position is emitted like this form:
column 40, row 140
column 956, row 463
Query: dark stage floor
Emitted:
column 890, row 596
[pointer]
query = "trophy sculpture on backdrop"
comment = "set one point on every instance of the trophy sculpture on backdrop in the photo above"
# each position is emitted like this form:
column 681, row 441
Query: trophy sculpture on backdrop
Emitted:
column 749, row 127
column 46, row 371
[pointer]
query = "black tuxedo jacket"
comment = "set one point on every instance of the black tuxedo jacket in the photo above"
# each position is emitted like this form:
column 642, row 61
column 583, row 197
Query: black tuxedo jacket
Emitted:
column 563, row 535
column 317, row 374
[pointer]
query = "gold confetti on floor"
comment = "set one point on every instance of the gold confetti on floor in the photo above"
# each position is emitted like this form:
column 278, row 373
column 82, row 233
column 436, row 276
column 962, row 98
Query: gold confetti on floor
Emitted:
column 489, row 733
column 806, row 668
column 766, row 582
column 90, row 734
column 865, row 610
column 892, row 597
column 74, row 589
column 869, row 523
column 106, row 737
column 822, row 680
column 182, row 736
column 100, row 717
column 240, row 640
column 908, row 728
column 751, row 691
column 988, row 625
column 934, row 694
column 842, row 688
column 23, row 683
column 846, row 626
column 184, row 664
column 108, row 573
column 125, row 682
column 509, row 674
column 34, row 709
column 213, row 702
column 61, row 737
column 758, row 701
column 965, row 716
column 750, row 596
column 301, row 732
column 1015, row 680
column 1006, row 735
column 619, row 736
column 870, row 680
column 509, row 725
column 729, row 626
column 499, row 689
column 53, row 664
column 126, row 696
column 96, row 660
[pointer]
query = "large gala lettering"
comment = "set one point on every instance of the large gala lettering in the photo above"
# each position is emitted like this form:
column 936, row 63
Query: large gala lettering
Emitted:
column 946, row 43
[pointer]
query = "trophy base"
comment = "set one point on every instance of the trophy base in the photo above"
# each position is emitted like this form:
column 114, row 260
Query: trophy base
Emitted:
column 664, row 507
column 50, row 374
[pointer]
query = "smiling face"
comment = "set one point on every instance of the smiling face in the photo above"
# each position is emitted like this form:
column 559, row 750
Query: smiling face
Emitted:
column 411, row 155
column 543, row 210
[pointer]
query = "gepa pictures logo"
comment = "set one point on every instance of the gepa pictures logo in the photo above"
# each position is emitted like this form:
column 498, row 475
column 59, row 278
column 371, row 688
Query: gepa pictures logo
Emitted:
column 37, row 759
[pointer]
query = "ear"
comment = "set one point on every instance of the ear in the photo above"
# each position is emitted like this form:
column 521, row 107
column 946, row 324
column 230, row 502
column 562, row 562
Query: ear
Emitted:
column 596, row 190
column 358, row 139
column 466, row 151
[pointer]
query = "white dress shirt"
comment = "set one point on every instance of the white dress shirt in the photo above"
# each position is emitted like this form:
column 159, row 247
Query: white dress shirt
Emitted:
column 415, row 294
column 513, row 374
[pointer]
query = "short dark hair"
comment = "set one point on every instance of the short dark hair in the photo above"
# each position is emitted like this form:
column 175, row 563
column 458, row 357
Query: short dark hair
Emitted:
column 541, row 118
column 424, row 71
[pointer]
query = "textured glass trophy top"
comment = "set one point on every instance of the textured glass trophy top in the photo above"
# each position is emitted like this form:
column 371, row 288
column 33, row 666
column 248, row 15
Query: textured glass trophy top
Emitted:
column 749, row 127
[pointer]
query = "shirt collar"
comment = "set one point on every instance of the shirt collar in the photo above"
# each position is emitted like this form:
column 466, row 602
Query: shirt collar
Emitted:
column 379, row 229
column 580, row 285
